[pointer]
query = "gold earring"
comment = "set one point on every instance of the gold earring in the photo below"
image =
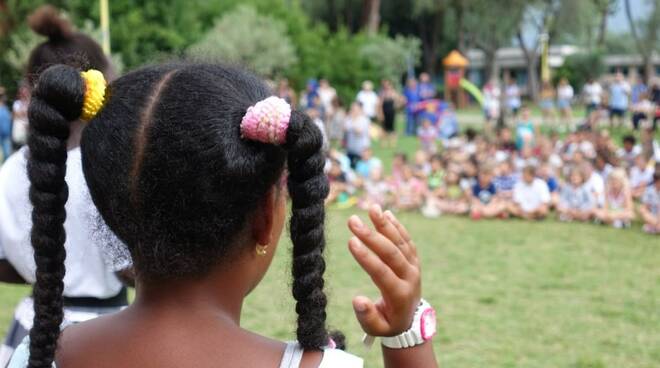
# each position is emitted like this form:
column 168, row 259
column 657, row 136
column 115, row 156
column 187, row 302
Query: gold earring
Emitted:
column 262, row 250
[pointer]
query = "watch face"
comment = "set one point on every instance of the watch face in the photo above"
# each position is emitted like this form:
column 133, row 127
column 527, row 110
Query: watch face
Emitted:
column 428, row 324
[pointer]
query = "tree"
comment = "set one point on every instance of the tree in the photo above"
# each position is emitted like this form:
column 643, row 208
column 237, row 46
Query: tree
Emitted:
column 605, row 8
column 539, row 16
column 430, row 16
column 390, row 56
column 647, row 41
column 489, row 28
column 371, row 16
column 245, row 37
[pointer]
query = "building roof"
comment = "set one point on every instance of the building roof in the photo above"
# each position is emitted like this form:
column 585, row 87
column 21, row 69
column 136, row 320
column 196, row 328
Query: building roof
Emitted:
column 455, row 60
column 513, row 57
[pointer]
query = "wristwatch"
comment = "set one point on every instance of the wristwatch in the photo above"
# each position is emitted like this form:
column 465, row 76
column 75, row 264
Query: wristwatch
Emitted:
column 422, row 330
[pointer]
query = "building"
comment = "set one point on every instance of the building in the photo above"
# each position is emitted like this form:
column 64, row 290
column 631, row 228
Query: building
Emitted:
column 511, row 61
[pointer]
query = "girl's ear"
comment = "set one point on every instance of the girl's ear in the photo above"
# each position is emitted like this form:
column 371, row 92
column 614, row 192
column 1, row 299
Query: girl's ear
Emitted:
column 262, row 223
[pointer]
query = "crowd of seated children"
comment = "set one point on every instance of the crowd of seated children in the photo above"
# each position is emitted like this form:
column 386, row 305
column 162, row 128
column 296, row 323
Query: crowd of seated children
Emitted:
column 584, row 177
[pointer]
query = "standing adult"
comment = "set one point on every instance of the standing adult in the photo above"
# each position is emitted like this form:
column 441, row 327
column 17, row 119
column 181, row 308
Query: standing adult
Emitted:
column 368, row 99
column 513, row 101
column 5, row 126
column 411, row 94
column 565, row 95
column 426, row 87
column 357, row 133
column 91, row 287
column 547, row 102
column 491, row 92
column 619, row 93
column 327, row 95
column 20, row 114
column 388, row 101
column 592, row 93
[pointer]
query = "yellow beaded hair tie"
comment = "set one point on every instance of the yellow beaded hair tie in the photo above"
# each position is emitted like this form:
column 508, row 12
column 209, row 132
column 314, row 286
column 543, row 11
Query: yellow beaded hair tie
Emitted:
column 95, row 85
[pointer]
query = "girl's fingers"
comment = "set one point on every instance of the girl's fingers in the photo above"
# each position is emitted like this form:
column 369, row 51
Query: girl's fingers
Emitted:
column 409, row 249
column 381, row 246
column 382, row 275
column 371, row 320
column 386, row 227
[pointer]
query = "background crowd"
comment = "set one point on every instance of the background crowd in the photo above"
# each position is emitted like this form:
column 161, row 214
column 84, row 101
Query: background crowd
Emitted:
column 522, row 169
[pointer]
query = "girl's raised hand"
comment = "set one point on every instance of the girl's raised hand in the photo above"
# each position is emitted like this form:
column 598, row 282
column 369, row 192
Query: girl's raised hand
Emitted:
column 389, row 256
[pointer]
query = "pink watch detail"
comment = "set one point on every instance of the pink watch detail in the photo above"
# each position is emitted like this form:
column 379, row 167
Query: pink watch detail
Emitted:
column 428, row 324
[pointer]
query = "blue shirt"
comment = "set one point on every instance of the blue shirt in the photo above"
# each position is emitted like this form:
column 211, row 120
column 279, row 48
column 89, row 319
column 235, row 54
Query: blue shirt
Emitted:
column 553, row 186
column 426, row 91
column 5, row 121
column 618, row 96
column 484, row 194
column 524, row 130
column 412, row 97
column 636, row 92
column 505, row 183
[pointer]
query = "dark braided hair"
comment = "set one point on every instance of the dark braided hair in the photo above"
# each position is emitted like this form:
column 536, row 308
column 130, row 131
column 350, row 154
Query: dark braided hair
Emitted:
column 56, row 101
column 172, row 177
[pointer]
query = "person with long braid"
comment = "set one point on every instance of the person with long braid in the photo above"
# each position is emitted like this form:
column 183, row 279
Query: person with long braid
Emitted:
column 190, row 165
column 90, row 286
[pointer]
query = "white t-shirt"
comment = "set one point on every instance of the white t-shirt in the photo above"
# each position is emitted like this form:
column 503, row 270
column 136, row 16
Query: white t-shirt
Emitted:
column 531, row 196
column 20, row 127
column 368, row 100
column 565, row 92
column 88, row 270
column 596, row 185
column 639, row 177
column 593, row 93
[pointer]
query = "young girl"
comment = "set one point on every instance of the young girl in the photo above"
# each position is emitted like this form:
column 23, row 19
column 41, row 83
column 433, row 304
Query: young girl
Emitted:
column 91, row 287
column 409, row 193
column 576, row 202
column 196, row 191
column 618, row 208
column 428, row 137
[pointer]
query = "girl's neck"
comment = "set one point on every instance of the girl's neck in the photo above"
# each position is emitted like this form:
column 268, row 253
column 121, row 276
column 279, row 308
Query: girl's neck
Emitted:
column 214, row 294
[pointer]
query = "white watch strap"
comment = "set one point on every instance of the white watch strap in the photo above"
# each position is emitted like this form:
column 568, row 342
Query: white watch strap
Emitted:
column 407, row 339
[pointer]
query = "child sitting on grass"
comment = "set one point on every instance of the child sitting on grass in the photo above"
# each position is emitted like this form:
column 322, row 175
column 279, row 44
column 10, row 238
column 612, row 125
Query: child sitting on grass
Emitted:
column 376, row 191
column 409, row 193
column 338, row 183
column 428, row 137
column 576, row 202
column 650, row 208
column 531, row 197
column 451, row 198
column 484, row 200
column 617, row 210
column 505, row 180
column 547, row 173
column 641, row 175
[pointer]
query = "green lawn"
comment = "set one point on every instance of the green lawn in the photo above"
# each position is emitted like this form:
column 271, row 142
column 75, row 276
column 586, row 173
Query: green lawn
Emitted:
column 509, row 294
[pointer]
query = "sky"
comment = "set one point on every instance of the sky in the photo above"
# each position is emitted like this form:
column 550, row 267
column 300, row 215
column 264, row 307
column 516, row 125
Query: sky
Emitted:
column 618, row 23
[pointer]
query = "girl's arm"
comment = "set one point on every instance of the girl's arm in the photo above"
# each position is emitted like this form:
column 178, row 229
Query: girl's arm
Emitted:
column 389, row 256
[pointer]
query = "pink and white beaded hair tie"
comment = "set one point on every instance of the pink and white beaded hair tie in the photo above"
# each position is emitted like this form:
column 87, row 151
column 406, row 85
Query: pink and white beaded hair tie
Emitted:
column 267, row 121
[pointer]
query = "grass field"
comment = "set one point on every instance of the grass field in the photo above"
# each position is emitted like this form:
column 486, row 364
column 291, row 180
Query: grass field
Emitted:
column 508, row 293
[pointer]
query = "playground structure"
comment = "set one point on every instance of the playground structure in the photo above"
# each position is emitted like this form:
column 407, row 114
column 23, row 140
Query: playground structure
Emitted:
column 456, row 85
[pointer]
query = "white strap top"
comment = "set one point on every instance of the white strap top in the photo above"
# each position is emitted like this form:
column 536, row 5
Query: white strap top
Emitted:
column 332, row 358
